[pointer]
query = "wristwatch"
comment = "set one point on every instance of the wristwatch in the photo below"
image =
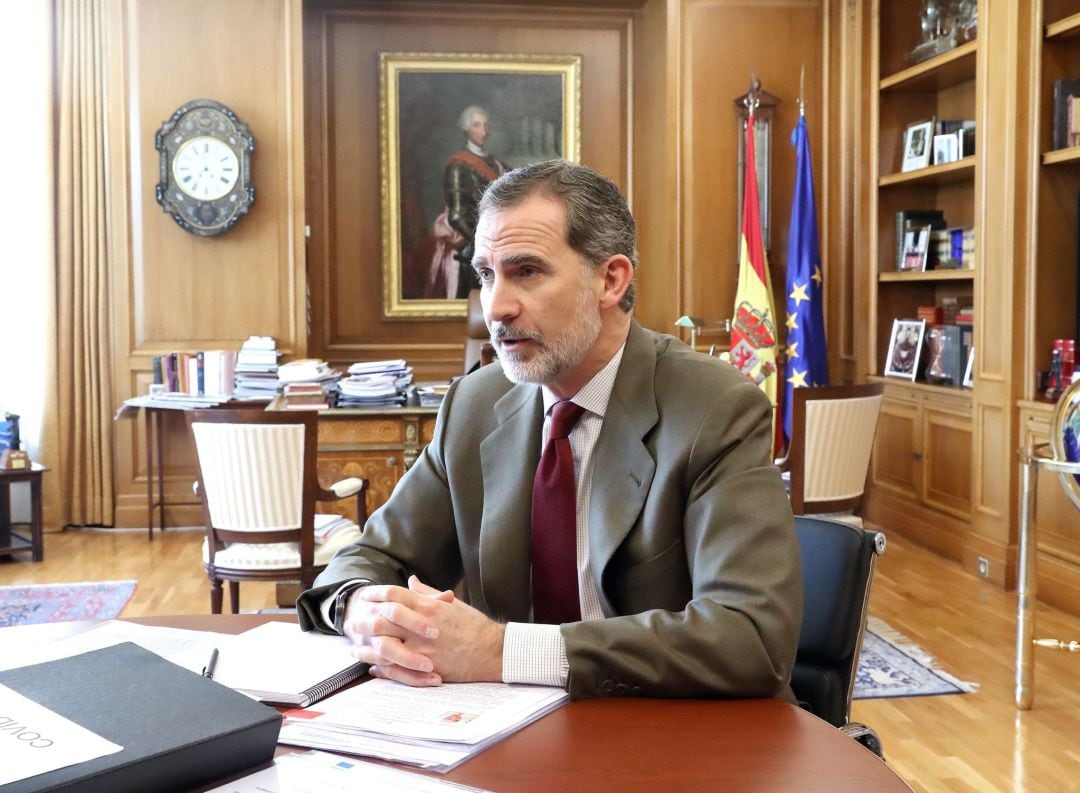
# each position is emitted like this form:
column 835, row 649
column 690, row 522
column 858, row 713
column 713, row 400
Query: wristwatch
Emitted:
column 341, row 601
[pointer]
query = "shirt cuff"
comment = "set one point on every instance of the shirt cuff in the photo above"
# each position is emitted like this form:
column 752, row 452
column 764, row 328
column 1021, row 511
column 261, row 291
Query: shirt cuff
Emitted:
column 326, row 608
column 535, row 654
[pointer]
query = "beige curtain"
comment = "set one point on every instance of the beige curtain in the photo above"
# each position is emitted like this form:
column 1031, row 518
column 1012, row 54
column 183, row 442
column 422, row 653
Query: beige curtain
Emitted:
column 77, row 431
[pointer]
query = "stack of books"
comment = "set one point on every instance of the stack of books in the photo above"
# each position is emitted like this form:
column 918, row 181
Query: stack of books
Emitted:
column 256, row 369
column 304, row 396
column 376, row 384
column 430, row 394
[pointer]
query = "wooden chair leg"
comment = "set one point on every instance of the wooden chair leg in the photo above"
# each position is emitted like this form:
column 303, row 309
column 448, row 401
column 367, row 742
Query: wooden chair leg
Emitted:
column 234, row 596
column 215, row 596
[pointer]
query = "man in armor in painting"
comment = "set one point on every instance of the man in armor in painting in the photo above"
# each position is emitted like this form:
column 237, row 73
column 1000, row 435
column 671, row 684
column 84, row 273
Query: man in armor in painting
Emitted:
column 466, row 174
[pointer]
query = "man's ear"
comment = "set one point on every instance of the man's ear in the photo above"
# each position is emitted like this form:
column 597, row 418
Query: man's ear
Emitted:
column 617, row 273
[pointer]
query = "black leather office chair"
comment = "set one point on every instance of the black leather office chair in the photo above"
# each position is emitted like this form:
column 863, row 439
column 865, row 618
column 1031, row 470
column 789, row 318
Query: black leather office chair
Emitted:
column 838, row 566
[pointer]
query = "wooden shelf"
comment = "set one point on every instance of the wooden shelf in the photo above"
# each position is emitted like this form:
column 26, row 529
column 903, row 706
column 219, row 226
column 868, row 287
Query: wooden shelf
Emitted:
column 946, row 173
column 950, row 68
column 1064, row 28
column 1061, row 156
column 930, row 275
column 926, row 388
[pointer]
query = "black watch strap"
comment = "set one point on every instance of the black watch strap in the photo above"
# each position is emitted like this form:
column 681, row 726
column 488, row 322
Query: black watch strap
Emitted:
column 341, row 600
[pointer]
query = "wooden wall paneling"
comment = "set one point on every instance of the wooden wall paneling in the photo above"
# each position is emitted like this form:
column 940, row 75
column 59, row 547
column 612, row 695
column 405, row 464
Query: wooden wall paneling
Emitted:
column 345, row 248
column 657, row 151
column 1001, row 179
column 713, row 74
column 172, row 290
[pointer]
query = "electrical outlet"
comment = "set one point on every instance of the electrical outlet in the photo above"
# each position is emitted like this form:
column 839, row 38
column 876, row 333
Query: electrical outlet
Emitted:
column 984, row 567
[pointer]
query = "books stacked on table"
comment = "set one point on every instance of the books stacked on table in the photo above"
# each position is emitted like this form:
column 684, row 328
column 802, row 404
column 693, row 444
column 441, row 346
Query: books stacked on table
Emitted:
column 375, row 384
column 304, row 396
column 256, row 369
column 308, row 384
column 430, row 394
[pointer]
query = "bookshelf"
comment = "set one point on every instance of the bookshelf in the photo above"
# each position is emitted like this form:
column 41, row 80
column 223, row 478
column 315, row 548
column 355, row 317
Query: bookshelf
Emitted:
column 1050, row 308
column 922, row 471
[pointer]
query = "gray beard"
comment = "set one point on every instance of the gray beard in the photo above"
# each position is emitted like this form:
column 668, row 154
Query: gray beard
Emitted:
column 555, row 354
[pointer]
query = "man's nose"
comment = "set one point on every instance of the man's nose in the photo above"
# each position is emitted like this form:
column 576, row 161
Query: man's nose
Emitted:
column 499, row 301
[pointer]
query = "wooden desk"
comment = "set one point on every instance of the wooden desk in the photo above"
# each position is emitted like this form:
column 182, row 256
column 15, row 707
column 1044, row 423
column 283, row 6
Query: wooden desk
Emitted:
column 10, row 541
column 629, row 744
column 377, row 444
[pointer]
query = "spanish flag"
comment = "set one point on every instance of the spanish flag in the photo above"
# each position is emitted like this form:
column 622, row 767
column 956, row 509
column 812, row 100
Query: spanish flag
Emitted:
column 753, row 333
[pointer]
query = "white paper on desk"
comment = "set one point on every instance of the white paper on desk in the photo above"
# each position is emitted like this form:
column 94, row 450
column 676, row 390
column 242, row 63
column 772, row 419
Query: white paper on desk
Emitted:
column 35, row 740
column 320, row 772
column 460, row 712
column 186, row 648
column 431, row 755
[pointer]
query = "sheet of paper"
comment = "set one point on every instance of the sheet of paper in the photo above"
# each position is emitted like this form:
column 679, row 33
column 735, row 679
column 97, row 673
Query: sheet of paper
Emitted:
column 35, row 740
column 320, row 772
column 189, row 649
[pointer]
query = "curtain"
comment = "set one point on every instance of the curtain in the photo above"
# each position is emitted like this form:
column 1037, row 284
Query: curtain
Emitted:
column 77, row 431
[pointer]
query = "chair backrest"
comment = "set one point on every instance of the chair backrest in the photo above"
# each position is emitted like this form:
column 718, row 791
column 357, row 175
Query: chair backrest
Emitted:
column 257, row 476
column 478, row 349
column 838, row 568
column 832, row 436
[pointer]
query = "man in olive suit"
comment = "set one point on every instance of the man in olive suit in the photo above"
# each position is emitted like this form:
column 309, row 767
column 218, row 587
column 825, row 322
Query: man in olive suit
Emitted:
column 687, row 564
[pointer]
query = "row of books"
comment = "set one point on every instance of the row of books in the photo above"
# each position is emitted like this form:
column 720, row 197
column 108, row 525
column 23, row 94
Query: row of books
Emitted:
column 925, row 242
column 205, row 372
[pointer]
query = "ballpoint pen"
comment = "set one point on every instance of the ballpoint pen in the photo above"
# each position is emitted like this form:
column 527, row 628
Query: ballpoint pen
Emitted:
column 208, row 670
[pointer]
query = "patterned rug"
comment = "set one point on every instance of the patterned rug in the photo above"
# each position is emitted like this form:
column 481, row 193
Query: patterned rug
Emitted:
column 891, row 665
column 37, row 603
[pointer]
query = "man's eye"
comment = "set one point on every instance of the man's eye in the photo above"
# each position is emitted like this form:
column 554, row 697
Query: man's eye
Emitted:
column 528, row 271
column 484, row 274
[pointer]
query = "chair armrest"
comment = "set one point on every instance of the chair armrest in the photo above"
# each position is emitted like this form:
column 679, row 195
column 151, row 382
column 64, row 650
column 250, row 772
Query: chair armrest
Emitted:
column 342, row 489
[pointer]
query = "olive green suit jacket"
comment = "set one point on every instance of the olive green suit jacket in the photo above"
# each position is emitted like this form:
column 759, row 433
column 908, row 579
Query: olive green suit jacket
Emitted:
column 691, row 538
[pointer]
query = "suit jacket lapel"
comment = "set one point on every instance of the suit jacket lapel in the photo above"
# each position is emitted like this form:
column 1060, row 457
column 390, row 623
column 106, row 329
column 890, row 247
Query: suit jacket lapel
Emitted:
column 509, row 457
column 623, row 468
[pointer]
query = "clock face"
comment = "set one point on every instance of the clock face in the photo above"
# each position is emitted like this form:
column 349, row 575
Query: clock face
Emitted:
column 205, row 168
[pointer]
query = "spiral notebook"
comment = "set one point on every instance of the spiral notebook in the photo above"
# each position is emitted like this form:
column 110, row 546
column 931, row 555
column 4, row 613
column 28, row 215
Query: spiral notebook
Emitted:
column 279, row 664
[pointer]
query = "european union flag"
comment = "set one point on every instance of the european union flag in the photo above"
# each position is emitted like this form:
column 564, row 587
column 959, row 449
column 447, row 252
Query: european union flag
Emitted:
column 807, row 363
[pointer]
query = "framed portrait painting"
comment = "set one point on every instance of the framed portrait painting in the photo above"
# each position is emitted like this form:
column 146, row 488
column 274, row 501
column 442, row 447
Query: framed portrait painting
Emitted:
column 449, row 124
column 905, row 347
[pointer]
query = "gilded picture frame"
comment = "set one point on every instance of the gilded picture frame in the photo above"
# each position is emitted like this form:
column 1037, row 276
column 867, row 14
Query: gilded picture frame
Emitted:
column 427, row 101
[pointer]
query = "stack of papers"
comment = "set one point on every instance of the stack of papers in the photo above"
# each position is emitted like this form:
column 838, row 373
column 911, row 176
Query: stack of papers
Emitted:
column 328, row 525
column 307, row 370
column 434, row 728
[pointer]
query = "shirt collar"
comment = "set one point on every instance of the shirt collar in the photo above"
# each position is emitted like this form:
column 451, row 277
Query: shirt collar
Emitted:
column 595, row 394
column 477, row 150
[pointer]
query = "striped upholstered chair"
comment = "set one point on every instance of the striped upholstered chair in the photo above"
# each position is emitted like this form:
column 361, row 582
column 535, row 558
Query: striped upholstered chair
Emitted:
column 258, row 484
column 828, row 458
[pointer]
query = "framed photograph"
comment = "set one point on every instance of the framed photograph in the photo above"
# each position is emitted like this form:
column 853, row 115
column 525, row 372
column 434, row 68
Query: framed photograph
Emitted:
column 449, row 124
column 917, row 145
column 946, row 148
column 969, row 382
column 905, row 345
column 916, row 248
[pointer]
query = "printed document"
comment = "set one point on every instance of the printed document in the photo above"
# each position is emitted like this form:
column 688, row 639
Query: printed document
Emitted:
column 320, row 772
column 434, row 728
column 35, row 740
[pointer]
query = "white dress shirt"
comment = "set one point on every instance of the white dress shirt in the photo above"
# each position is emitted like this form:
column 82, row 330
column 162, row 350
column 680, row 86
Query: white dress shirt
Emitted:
column 537, row 653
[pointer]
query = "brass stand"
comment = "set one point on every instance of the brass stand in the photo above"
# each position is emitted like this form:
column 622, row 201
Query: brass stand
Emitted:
column 1032, row 459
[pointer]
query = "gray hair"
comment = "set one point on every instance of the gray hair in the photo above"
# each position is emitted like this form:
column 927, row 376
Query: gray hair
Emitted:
column 468, row 113
column 598, row 221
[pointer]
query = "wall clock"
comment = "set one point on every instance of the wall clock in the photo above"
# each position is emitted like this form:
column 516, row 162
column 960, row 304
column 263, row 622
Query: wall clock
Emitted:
column 205, row 180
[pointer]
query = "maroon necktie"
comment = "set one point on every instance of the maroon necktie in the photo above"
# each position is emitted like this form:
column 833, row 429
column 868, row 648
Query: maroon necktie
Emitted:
column 554, row 524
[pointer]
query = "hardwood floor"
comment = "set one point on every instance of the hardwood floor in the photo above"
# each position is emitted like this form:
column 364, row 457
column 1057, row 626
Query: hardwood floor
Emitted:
column 969, row 742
